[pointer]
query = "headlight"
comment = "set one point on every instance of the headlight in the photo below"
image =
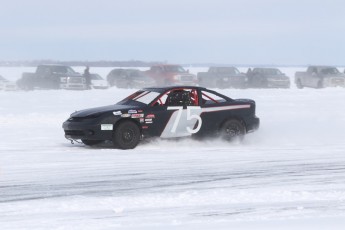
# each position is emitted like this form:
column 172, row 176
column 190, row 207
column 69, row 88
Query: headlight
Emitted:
column 225, row 79
column 63, row 80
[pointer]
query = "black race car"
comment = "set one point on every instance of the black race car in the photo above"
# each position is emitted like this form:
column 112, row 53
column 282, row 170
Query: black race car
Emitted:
column 166, row 112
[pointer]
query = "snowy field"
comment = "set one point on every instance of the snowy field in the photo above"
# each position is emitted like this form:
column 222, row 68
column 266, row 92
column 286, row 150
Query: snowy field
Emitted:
column 290, row 174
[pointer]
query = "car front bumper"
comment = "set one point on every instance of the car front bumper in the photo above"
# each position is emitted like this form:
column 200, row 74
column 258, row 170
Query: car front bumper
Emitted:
column 86, row 130
column 334, row 82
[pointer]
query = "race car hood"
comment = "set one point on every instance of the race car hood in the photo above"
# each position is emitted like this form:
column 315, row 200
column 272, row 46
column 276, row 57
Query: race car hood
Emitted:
column 104, row 109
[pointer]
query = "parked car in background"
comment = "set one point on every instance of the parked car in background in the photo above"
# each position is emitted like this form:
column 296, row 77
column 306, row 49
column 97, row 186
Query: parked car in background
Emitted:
column 129, row 78
column 170, row 75
column 320, row 77
column 267, row 78
column 97, row 82
column 7, row 85
column 222, row 77
column 52, row 77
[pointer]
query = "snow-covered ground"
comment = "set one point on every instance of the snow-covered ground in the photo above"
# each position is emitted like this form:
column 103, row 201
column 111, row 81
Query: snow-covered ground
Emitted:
column 289, row 174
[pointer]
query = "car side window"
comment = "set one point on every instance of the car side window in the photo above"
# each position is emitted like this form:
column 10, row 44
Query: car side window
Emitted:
column 314, row 70
column 40, row 69
column 209, row 98
column 156, row 69
column 178, row 97
column 254, row 71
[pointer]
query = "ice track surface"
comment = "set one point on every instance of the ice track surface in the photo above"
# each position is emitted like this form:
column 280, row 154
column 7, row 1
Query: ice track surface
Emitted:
column 290, row 174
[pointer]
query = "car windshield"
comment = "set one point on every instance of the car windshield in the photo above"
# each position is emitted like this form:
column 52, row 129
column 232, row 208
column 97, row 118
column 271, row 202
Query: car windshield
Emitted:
column 141, row 96
column 136, row 74
column 330, row 71
column 175, row 69
column 62, row 69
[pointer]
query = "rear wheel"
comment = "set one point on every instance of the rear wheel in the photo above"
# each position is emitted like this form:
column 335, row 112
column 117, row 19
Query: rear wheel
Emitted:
column 232, row 129
column 126, row 135
column 91, row 142
column 299, row 84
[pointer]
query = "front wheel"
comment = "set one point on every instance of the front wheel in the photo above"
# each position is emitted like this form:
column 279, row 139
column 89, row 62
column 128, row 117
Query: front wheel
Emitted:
column 232, row 130
column 126, row 135
column 299, row 84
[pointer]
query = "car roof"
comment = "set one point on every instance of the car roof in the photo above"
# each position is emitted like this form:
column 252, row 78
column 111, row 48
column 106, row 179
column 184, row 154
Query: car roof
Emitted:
column 168, row 88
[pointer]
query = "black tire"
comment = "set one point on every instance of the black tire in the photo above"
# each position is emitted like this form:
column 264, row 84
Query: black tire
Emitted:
column 320, row 85
column 299, row 84
column 111, row 81
column 91, row 142
column 232, row 130
column 126, row 135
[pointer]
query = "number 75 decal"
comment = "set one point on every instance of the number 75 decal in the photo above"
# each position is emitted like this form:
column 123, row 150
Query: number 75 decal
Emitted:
column 189, row 118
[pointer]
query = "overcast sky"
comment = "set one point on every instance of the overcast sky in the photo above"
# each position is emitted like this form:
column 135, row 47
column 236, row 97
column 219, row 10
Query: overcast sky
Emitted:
column 190, row 31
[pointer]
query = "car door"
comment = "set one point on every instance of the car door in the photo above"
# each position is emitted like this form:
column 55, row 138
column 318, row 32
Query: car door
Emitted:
column 255, row 78
column 176, row 114
column 42, row 77
column 311, row 77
